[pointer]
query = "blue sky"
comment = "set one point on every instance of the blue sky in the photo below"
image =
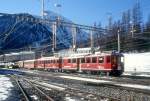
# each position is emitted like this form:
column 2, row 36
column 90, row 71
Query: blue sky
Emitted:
column 80, row 11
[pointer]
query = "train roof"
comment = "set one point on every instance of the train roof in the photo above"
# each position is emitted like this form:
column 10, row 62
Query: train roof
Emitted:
column 48, row 58
column 80, row 52
column 29, row 60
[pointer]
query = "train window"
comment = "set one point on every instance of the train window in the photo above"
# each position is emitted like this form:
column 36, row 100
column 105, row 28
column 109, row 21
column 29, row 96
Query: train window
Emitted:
column 108, row 59
column 114, row 59
column 101, row 59
column 69, row 60
column 94, row 59
column 122, row 59
column 73, row 60
column 88, row 60
column 82, row 60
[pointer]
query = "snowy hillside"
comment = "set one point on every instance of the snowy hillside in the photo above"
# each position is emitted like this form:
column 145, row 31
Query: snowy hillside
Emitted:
column 16, row 33
column 64, row 33
column 137, row 61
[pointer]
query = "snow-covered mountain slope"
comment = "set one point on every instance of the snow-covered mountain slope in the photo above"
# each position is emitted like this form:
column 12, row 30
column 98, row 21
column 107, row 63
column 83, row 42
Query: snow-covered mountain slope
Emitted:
column 17, row 33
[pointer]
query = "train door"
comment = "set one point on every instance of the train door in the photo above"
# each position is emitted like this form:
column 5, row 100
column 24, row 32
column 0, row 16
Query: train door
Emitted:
column 44, row 64
column 78, row 64
column 117, row 64
column 114, row 62
column 60, row 63
column 121, row 63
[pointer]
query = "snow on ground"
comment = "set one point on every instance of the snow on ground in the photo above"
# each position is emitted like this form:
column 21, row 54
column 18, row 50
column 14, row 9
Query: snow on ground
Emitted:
column 85, row 79
column 139, row 62
column 69, row 99
column 135, row 86
column 5, row 87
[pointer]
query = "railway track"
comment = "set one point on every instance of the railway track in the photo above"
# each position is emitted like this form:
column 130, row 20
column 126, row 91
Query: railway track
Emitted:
column 104, row 89
column 121, row 79
column 29, row 91
column 65, row 91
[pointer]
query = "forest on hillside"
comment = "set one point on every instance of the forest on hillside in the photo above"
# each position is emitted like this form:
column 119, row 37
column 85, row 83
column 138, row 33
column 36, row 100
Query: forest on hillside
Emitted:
column 134, row 32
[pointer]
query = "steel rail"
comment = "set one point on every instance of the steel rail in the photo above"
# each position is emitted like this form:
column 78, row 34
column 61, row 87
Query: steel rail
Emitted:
column 26, row 96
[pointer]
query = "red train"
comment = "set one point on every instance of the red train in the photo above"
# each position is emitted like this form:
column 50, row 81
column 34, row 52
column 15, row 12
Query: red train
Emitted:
column 111, row 63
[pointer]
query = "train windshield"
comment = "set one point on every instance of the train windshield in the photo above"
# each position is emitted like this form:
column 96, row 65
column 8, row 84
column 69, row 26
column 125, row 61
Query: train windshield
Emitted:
column 121, row 59
column 117, row 59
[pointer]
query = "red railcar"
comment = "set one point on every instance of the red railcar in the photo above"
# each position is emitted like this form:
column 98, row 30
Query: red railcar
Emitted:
column 51, row 63
column 28, row 64
column 112, row 63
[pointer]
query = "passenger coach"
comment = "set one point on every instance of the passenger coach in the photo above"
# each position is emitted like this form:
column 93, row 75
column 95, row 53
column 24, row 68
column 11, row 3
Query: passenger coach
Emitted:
column 110, row 63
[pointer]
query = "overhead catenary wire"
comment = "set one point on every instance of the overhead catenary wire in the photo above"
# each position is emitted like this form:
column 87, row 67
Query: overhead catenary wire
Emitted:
column 66, row 24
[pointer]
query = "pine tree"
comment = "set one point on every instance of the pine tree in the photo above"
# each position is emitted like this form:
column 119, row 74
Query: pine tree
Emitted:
column 148, row 24
column 126, row 18
column 137, row 17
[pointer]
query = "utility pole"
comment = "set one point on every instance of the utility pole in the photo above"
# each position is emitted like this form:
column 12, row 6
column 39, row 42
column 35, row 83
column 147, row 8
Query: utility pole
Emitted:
column 58, row 6
column 43, row 8
column 91, row 36
column 118, row 40
column 132, row 29
column 54, row 29
column 74, row 36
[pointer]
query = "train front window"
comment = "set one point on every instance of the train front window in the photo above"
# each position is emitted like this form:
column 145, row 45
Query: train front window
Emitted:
column 101, row 59
column 114, row 59
column 122, row 59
